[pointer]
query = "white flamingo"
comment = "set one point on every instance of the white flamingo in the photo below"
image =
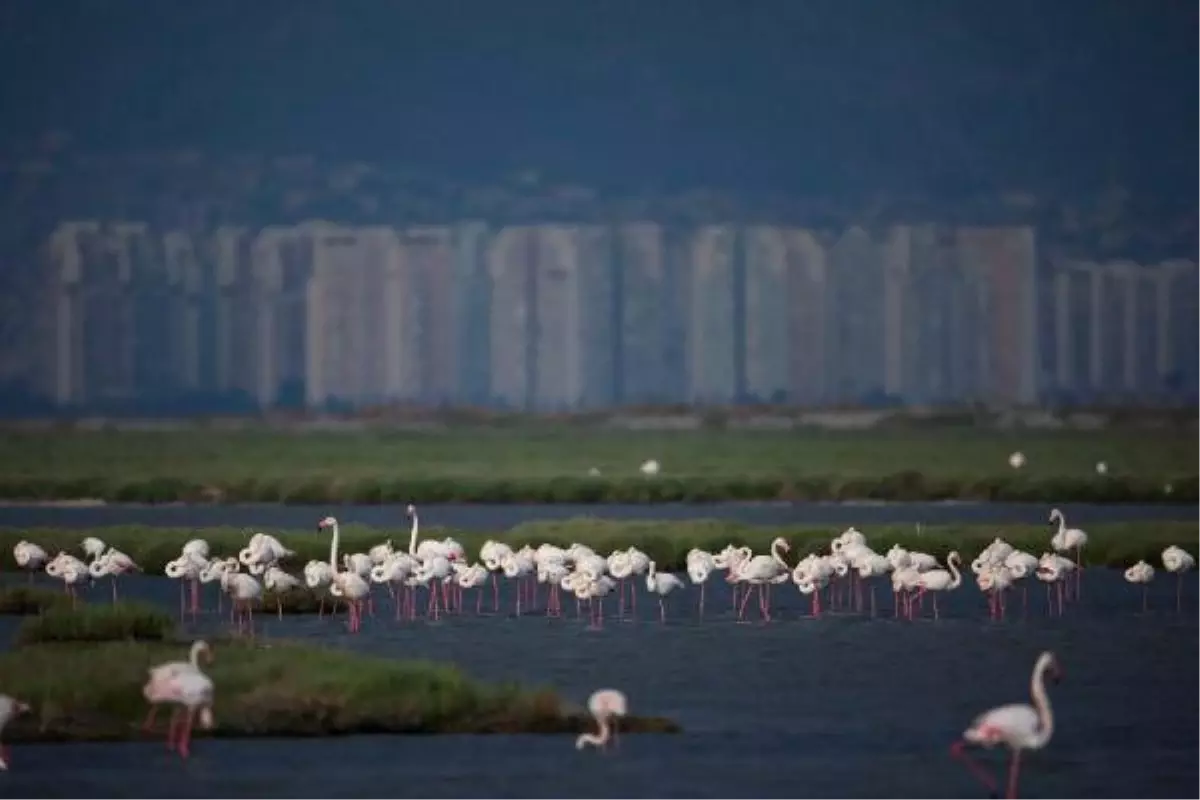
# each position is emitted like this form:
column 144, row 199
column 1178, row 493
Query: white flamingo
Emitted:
column 661, row 584
column 279, row 583
column 345, row 584
column 30, row 557
column 1141, row 574
column 318, row 576
column 187, row 568
column 1067, row 539
column 940, row 580
column 9, row 708
column 761, row 570
column 605, row 705
column 1019, row 726
column 113, row 563
column 244, row 590
column 700, row 567
column 190, row 689
column 1176, row 559
column 492, row 555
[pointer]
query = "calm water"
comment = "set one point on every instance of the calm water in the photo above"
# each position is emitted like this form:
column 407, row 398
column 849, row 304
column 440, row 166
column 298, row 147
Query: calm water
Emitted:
column 502, row 517
column 842, row 706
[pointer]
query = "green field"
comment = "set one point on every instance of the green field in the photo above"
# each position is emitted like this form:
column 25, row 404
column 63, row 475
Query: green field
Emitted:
column 574, row 464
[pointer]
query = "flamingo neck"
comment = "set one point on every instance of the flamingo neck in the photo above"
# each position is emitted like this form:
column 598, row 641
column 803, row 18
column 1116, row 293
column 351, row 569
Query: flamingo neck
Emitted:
column 776, row 556
column 194, row 656
column 333, row 549
column 952, row 564
column 598, row 739
column 412, row 541
column 1041, row 703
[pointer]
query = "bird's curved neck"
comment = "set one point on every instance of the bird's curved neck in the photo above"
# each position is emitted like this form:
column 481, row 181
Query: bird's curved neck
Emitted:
column 1062, row 523
column 333, row 549
column 1041, row 703
column 598, row 739
column 952, row 564
column 195, row 654
column 412, row 539
column 775, row 554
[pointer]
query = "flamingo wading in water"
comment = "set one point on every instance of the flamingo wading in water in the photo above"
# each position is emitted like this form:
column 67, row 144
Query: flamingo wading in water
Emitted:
column 605, row 705
column 1019, row 726
column 9, row 708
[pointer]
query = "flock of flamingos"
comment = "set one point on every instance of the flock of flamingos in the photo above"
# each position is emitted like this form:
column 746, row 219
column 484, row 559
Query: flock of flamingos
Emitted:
column 441, row 568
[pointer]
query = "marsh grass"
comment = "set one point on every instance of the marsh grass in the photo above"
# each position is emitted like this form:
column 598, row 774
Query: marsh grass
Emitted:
column 667, row 542
column 96, row 623
column 93, row 692
column 19, row 600
column 545, row 464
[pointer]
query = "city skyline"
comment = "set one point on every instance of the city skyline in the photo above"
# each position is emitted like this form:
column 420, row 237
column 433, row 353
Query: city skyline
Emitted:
column 562, row 316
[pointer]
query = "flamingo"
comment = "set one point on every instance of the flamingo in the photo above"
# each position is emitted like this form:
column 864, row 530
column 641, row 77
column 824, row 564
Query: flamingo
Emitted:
column 873, row 566
column 113, row 563
column 318, row 576
column 70, row 570
column 993, row 581
column 700, row 566
column 1019, row 726
column 940, row 580
column 1052, row 571
column 662, row 584
column 9, row 708
column 474, row 577
column 620, row 566
column 1141, row 573
column 1176, row 559
column 605, row 706
column 29, row 557
column 170, row 668
column 243, row 591
column 190, row 689
column 279, row 583
column 760, row 570
column 395, row 572
column 187, row 568
column 348, row 584
column 492, row 554
column 1067, row 539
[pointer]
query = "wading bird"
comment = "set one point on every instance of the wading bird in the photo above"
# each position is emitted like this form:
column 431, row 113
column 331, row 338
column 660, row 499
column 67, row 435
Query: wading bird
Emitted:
column 605, row 705
column 9, row 708
column 1018, row 726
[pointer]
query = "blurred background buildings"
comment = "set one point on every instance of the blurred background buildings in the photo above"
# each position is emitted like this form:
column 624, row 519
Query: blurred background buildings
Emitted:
column 561, row 316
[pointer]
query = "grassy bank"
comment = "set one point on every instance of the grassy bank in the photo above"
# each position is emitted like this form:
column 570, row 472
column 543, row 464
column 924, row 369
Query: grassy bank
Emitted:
column 1115, row 544
column 547, row 464
column 92, row 692
column 97, row 623
column 25, row 600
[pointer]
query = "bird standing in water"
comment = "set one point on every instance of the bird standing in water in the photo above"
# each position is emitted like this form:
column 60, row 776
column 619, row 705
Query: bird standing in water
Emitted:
column 1019, row 726
column 604, row 704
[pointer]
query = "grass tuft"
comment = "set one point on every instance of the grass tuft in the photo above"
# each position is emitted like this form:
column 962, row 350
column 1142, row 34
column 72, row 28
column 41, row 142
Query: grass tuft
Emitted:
column 96, row 623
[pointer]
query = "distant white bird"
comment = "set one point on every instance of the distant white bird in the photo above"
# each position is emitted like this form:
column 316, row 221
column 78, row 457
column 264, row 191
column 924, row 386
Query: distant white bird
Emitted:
column 605, row 706
column 1102, row 467
column 661, row 584
column 1019, row 726
column 9, row 708
column 279, row 583
column 1141, row 573
column 650, row 467
column 1016, row 460
column 1176, row 559
column 29, row 557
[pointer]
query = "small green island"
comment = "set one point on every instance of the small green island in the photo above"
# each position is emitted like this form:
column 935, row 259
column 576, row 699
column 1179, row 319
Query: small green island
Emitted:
column 82, row 672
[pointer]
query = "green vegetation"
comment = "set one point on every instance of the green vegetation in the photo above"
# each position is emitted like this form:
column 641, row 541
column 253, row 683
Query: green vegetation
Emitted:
column 553, row 464
column 87, row 692
column 1115, row 544
column 97, row 623
column 25, row 600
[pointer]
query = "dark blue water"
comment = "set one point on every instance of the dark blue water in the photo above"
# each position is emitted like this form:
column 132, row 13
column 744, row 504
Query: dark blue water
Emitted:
column 842, row 706
column 503, row 517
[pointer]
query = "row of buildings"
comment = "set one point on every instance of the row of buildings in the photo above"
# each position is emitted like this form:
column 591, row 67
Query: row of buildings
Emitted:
column 558, row 316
